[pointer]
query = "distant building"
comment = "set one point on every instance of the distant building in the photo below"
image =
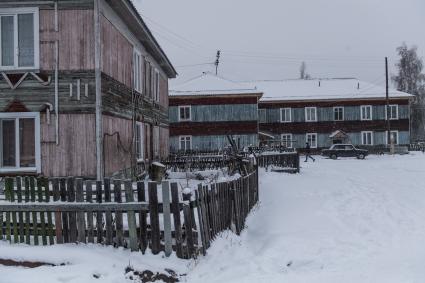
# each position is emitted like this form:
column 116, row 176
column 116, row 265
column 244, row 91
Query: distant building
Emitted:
column 329, row 111
column 204, row 110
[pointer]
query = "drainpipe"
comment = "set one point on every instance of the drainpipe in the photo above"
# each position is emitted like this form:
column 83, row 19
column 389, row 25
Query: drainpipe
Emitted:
column 97, row 53
column 56, row 76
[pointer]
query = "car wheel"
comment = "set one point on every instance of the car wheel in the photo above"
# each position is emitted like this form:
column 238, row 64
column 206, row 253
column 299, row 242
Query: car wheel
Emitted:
column 334, row 156
column 361, row 156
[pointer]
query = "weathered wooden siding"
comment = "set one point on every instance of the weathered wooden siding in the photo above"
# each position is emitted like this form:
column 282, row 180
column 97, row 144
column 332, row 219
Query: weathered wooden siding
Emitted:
column 117, row 53
column 219, row 142
column 213, row 113
column 351, row 113
column 75, row 36
column 76, row 153
column 118, row 137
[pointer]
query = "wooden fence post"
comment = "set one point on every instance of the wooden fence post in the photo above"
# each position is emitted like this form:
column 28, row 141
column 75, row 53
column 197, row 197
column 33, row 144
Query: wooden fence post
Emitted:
column 81, row 223
column 108, row 214
column 118, row 214
column 141, row 197
column 131, row 217
column 154, row 217
column 176, row 215
column 89, row 199
column 166, row 212
column 99, row 214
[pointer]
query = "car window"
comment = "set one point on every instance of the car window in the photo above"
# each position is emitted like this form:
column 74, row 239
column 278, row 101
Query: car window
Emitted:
column 338, row 147
column 348, row 147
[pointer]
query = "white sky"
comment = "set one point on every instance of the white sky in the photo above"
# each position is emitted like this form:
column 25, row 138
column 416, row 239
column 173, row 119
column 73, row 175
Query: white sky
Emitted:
column 268, row 39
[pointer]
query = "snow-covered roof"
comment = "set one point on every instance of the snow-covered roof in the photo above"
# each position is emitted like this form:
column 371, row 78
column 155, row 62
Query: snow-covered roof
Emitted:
column 210, row 84
column 329, row 89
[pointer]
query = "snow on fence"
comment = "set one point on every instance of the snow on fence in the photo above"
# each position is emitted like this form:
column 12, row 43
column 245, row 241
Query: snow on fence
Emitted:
column 40, row 211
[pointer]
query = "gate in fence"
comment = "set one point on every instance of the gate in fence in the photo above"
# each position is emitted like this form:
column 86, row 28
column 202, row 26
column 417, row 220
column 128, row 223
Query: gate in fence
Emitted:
column 40, row 211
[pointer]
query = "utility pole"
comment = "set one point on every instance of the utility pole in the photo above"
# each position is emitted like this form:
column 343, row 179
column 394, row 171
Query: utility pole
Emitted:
column 217, row 61
column 388, row 103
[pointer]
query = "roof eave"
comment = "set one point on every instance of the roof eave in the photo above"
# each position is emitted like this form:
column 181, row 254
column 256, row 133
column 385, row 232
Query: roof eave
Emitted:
column 143, row 33
column 334, row 99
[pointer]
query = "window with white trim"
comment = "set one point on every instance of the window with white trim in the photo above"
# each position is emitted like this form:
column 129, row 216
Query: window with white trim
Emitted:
column 137, row 71
column 19, row 38
column 156, row 86
column 311, row 138
column 20, row 142
column 286, row 140
column 285, row 115
column 311, row 114
column 367, row 138
column 393, row 111
column 185, row 143
column 366, row 112
column 156, row 142
column 339, row 113
column 184, row 113
column 393, row 137
column 139, row 140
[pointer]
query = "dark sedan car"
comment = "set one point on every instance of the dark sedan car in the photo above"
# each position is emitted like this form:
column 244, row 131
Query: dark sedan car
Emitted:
column 344, row 150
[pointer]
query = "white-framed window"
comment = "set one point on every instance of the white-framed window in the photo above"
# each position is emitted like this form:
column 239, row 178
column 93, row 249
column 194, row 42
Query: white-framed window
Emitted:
column 137, row 71
column 311, row 138
column 156, row 142
column 185, row 143
column 139, row 140
column 366, row 112
column 19, row 38
column 20, row 142
column 338, row 113
column 286, row 140
column 285, row 115
column 367, row 137
column 393, row 137
column 156, row 95
column 185, row 113
column 393, row 111
column 311, row 114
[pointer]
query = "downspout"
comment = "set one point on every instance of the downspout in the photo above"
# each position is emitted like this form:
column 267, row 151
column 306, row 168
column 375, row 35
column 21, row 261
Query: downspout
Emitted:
column 56, row 75
column 97, row 52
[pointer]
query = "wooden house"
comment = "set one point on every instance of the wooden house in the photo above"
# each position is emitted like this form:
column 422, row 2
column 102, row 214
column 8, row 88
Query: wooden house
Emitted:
column 324, row 112
column 204, row 110
column 83, row 88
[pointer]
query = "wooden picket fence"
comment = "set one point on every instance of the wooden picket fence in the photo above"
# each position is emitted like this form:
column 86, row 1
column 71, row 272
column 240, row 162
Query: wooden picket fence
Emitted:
column 287, row 161
column 196, row 162
column 40, row 211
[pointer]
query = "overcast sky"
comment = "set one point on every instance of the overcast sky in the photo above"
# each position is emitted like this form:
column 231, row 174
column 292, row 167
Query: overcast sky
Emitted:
column 268, row 39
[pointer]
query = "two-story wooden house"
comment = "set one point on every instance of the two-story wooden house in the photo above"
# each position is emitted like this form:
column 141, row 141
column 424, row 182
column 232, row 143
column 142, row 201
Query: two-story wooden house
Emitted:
column 83, row 88
column 323, row 112
column 204, row 110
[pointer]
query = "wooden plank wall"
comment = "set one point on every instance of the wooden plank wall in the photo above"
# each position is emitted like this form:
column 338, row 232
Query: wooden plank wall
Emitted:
column 76, row 41
column 117, row 147
column 76, row 152
column 117, row 53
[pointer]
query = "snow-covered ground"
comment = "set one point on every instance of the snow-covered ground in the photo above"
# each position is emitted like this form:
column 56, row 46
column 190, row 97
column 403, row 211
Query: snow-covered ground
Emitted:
column 342, row 220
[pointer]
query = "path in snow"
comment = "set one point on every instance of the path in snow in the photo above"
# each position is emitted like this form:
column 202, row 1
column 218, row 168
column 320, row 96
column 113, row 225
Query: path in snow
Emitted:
column 338, row 221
